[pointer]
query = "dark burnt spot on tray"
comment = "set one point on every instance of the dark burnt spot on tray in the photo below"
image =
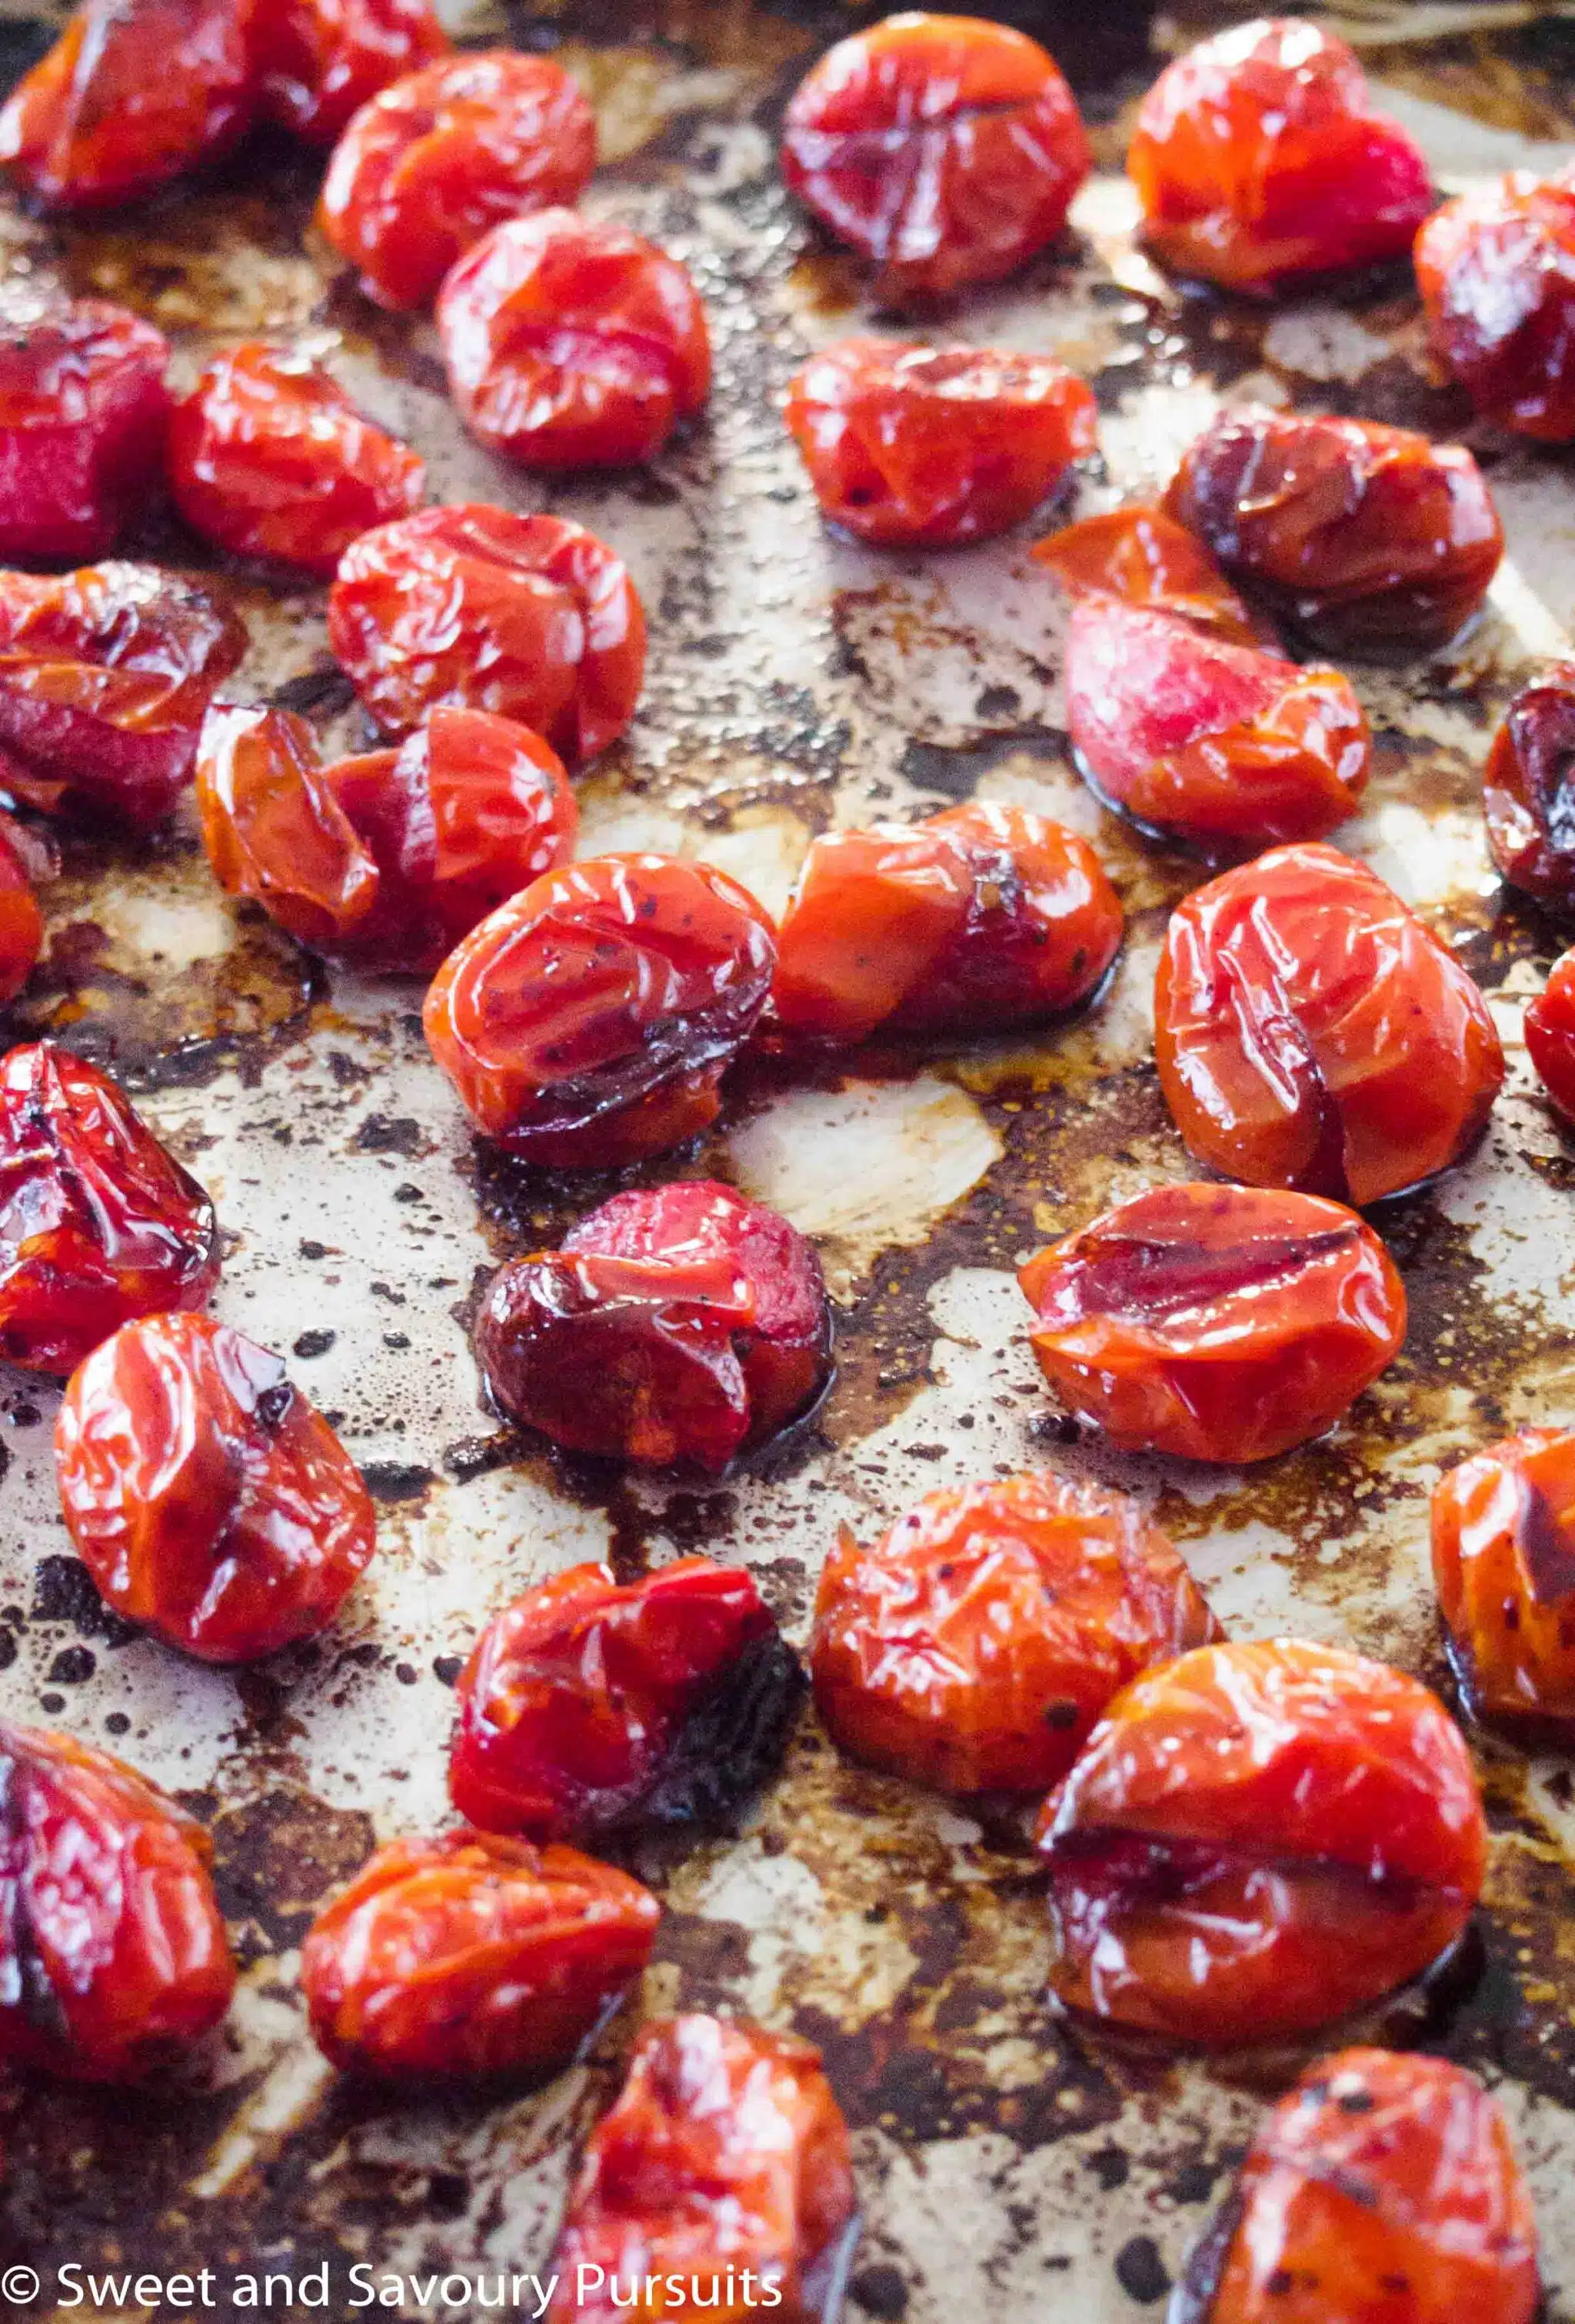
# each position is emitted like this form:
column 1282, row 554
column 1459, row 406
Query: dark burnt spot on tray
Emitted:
column 278, row 1855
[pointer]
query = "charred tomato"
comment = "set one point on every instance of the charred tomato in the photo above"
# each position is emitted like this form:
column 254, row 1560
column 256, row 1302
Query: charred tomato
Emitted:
column 1528, row 791
column 83, row 411
column 1145, row 559
column 1550, row 1035
column 318, row 62
column 1496, row 272
column 1504, row 1567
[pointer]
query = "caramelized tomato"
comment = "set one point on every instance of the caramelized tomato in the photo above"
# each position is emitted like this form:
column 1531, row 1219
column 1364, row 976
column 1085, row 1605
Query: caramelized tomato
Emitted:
column 83, row 411
column 1503, row 1564
column 113, row 1953
column 98, row 1222
column 572, row 343
column 1257, row 159
column 1215, row 1323
column 982, row 918
column 1550, row 1035
column 676, row 1324
column 975, row 1645
column 928, row 446
column 1148, row 561
column 1496, row 272
column 589, row 1021
column 1257, row 1840
column 945, row 148
column 1311, row 1033
column 434, row 161
column 589, row 1709
column 22, row 928
column 467, row 1957
column 478, row 608
column 318, row 62
column 1528, row 791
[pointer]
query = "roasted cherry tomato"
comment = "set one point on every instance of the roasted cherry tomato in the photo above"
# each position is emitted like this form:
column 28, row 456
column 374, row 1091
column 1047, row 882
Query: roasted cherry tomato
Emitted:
column 434, row 161
column 83, row 411
column 1257, row 159
column 974, row 1647
column 1257, row 1840
column 1528, row 791
column 1380, row 2186
column 1215, row 1323
column 269, row 457
column 589, row 1709
column 933, row 446
column 387, row 859
column 1311, row 1033
column 982, row 917
column 99, row 1223
column 589, row 1021
column 572, row 343
column 318, row 62
column 676, row 1324
column 1148, row 560
column 134, row 94
column 724, row 2166
column 1496, row 272
column 1503, row 1564
column 105, row 677
column 1369, row 539
column 469, row 1956
column 478, row 608
column 210, row 1502
column 22, row 928
column 1550, row 1035
column 944, row 148
column 112, row 1952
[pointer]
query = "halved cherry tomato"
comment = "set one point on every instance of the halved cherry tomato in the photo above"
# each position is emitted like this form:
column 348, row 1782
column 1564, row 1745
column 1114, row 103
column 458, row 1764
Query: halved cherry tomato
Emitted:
column 318, row 62
column 1496, row 272
column 83, row 411
column 1528, row 791
column 1550, row 1035
column 1504, row 1564
column 1148, row 560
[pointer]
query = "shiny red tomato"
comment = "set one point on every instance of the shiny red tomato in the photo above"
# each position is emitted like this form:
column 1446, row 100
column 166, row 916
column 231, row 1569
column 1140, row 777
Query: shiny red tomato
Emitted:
column 945, row 148
column 1257, row 159
column 83, row 411
column 478, row 608
column 572, row 343
column 318, row 62
column 928, row 446
column 1257, row 1840
column 982, row 918
column 1550, row 1035
column 1528, row 791
column 1311, row 1032
column 112, row 1952
column 1504, row 1564
column 589, row 1021
column 591, row 1709
column 1496, row 272
column 468, row 1956
column 22, row 928
column 434, row 161
column 1148, row 560
column 976, row 1644
column 1215, row 1323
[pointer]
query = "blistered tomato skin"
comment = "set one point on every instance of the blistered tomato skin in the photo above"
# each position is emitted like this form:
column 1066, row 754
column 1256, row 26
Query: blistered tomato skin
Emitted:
column 945, row 149
column 112, row 1954
column 973, row 1648
column 1550, row 1035
column 929, row 447
column 441, row 157
column 1257, row 1840
column 1369, row 540
column 1528, row 791
column 318, row 62
column 725, row 2156
column 592, row 1710
column 572, row 343
column 984, row 917
column 588, row 1022
column 478, row 608
column 1215, row 1323
column 469, row 1957
column 1258, row 160
column 99, row 1223
column 1504, row 1565
column 83, row 411
column 1145, row 559
column 677, row 1324
column 270, row 458
column 1311, row 1033
column 1496, row 272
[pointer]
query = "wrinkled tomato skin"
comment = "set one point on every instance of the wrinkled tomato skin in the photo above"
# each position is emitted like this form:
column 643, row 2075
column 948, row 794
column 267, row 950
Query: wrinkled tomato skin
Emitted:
column 676, row 1324
column 1145, row 559
column 134, row 94
column 930, row 447
column 434, row 163
column 478, row 608
column 99, row 1223
column 112, row 1952
column 974, row 1647
column 209, row 1500
column 1504, row 1567
column 588, row 1022
column 1496, row 272
column 469, row 1957
column 590, row 1709
column 1257, row 160
column 1550, row 1035
column 1528, row 791
column 945, row 149
column 984, row 917
column 1311, row 1033
column 1257, row 1840
column 1370, row 540
column 572, row 343
column 269, row 459
column 724, row 2158
column 83, row 414
column 1215, row 1323
column 1379, row 2178
column 319, row 61
column 22, row 927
